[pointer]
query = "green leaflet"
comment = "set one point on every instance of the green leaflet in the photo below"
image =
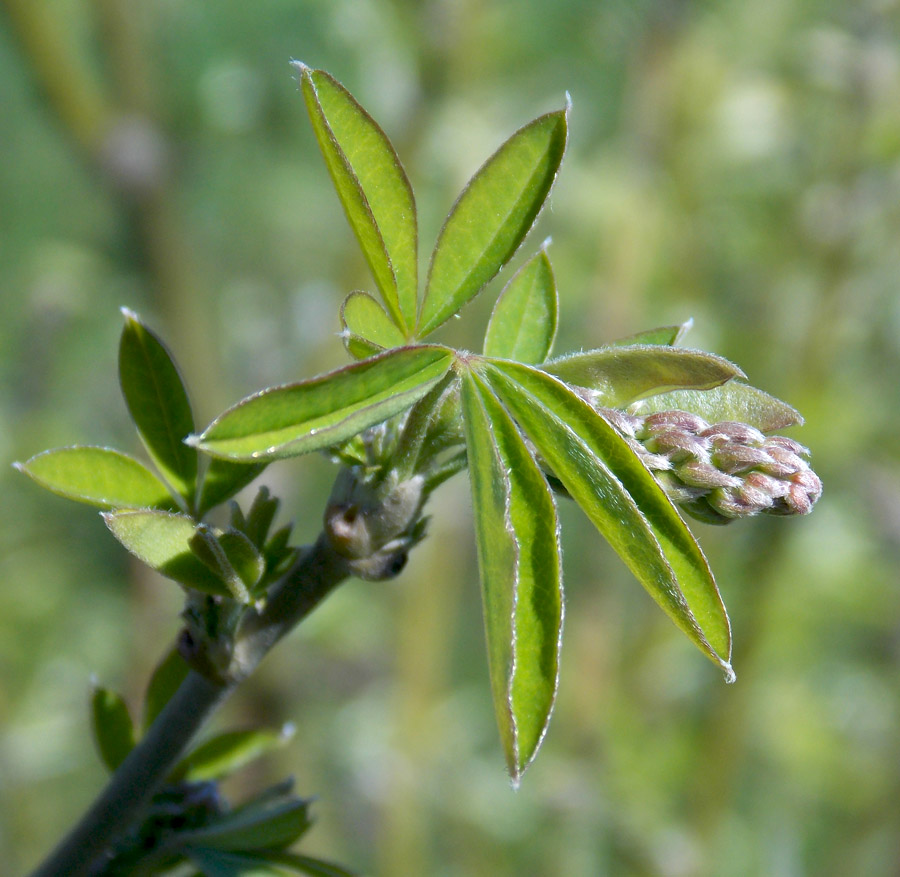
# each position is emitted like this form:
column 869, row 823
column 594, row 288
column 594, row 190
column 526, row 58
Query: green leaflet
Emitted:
column 162, row 541
column 323, row 411
column 731, row 401
column 99, row 477
column 222, row 480
column 622, row 375
column 372, row 186
column 157, row 401
column 665, row 335
column 621, row 498
column 523, row 324
column 113, row 729
column 491, row 217
column 232, row 557
column 517, row 534
column 270, row 826
column 171, row 671
column 263, row 863
column 367, row 328
column 226, row 753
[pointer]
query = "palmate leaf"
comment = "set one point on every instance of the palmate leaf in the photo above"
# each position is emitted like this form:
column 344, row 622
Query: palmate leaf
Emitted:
column 622, row 375
column 491, row 217
column 157, row 401
column 101, row 477
column 372, row 186
column 731, row 401
column 622, row 499
column 523, row 323
column 310, row 415
column 517, row 534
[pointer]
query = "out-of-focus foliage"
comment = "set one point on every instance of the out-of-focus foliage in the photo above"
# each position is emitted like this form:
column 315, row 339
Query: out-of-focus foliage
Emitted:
column 734, row 162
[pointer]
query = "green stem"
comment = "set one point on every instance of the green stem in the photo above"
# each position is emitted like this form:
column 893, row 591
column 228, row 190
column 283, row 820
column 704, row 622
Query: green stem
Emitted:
column 80, row 854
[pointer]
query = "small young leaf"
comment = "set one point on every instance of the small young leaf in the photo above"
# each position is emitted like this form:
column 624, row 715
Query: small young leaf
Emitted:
column 232, row 557
column 99, row 477
column 162, row 541
column 226, row 753
column 271, row 826
column 157, row 401
column 223, row 479
column 620, row 496
column 622, row 375
column 731, row 401
column 372, row 186
column 314, row 414
column 367, row 329
column 165, row 681
column 491, row 217
column 517, row 534
column 667, row 336
column 112, row 726
column 523, row 324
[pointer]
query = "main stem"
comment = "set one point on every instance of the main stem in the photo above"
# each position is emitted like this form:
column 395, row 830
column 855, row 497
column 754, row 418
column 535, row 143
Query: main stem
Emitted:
column 80, row 854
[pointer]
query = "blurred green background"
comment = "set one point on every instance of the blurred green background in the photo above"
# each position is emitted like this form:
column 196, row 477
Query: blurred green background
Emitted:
column 734, row 162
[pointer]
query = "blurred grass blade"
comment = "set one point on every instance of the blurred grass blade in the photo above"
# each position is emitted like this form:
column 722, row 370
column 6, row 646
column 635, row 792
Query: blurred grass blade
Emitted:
column 372, row 186
column 517, row 534
column 622, row 499
column 99, row 477
column 222, row 480
column 113, row 729
column 491, row 217
column 171, row 671
column 314, row 414
column 162, row 541
column 157, row 401
column 622, row 375
column 225, row 753
column 367, row 329
column 523, row 324
column 732, row 401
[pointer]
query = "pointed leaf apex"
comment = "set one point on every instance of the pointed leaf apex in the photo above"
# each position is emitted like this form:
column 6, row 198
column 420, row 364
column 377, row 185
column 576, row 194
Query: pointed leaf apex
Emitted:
column 730, row 675
column 193, row 440
column 568, row 103
column 130, row 315
column 299, row 66
column 19, row 467
column 547, row 242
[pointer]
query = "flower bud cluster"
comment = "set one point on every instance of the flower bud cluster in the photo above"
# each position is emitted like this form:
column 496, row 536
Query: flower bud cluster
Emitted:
column 721, row 471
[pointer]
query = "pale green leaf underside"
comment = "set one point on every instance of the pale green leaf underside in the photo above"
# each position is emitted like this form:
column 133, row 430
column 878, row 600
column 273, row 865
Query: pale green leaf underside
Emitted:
column 521, row 577
column 732, row 401
column 367, row 328
column 372, row 186
column 99, row 477
column 162, row 541
column 158, row 403
column 491, row 218
column 113, row 728
column 310, row 415
column 523, row 324
column 622, row 375
column 621, row 498
column 224, row 754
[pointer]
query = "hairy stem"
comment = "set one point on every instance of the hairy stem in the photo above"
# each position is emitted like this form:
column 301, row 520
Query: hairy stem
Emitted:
column 83, row 851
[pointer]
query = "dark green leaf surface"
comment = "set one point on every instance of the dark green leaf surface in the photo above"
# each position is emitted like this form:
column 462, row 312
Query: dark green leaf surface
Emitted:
column 732, row 401
column 99, row 477
column 162, row 541
column 622, row 375
column 225, row 753
column 223, row 479
column 372, row 186
column 112, row 726
column 269, row 826
column 219, row 863
column 367, row 328
column 523, row 324
column 623, row 500
column 310, row 415
column 157, row 401
column 517, row 534
column 166, row 678
column 491, row 218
